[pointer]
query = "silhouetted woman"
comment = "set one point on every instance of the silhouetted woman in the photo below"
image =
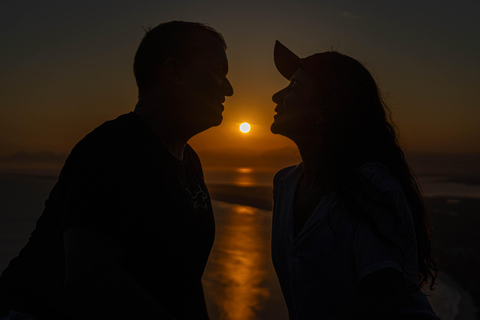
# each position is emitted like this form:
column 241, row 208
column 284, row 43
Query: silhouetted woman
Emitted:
column 350, row 238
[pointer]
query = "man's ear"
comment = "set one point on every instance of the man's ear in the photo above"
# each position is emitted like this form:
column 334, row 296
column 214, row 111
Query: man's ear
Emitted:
column 171, row 71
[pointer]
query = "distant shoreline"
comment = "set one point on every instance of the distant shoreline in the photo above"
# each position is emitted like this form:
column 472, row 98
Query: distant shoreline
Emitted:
column 260, row 197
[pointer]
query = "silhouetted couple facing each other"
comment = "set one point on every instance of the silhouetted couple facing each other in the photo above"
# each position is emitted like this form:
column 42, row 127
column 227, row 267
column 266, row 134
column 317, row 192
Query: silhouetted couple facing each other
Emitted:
column 127, row 230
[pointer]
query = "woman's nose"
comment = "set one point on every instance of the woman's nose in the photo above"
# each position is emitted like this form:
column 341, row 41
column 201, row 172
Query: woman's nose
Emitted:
column 278, row 97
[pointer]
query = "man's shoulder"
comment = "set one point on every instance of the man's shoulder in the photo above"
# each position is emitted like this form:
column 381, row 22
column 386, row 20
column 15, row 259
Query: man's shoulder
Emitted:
column 112, row 140
column 191, row 153
column 119, row 130
column 115, row 129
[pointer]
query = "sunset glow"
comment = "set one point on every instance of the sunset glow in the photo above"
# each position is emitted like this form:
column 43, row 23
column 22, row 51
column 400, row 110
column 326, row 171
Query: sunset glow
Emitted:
column 245, row 127
column 76, row 85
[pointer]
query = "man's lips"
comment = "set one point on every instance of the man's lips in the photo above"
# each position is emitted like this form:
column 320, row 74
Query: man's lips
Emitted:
column 220, row 103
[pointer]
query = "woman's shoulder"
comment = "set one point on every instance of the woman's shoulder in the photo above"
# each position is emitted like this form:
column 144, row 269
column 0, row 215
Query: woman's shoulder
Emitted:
column 379, row 175
column 281, row 174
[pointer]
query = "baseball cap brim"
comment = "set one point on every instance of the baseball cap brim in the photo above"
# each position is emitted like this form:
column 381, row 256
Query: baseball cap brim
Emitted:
column 285, row 60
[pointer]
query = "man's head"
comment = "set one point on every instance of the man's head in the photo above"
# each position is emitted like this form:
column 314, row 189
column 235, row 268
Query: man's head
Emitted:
column 174, row 39
column 185, row 63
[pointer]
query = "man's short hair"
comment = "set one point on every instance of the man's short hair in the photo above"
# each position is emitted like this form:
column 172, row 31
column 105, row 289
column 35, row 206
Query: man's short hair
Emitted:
column 171, row 39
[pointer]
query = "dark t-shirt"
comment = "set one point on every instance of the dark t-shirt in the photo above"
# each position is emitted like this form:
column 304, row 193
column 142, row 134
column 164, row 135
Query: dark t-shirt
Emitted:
column 121, row 178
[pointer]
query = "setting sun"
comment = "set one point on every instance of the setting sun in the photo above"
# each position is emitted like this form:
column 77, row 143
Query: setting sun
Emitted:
column 245, row 127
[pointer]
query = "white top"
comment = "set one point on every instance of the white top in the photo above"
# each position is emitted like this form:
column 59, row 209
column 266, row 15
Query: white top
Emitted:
column 319, row 270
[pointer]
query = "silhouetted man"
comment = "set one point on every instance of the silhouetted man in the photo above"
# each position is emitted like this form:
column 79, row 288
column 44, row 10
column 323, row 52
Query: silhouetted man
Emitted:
column 127, row 229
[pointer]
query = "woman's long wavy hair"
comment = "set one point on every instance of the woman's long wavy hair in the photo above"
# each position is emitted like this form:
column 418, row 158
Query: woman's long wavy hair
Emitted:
column 360, row 130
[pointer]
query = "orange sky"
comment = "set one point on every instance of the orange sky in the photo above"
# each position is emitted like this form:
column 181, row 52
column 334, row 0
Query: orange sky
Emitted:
column 66, row 68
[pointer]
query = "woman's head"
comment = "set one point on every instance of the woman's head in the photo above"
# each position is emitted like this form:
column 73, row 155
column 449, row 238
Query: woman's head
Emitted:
column 332, row 98
column 333, row 106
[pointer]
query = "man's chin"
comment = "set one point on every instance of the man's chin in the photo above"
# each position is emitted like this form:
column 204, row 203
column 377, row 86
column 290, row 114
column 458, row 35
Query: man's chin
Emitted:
column 216, row 122
column 205, row 125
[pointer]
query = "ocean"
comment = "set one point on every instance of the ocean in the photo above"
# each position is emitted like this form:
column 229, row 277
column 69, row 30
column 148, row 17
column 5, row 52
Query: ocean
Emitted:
column 447, row 185
column 239, row 280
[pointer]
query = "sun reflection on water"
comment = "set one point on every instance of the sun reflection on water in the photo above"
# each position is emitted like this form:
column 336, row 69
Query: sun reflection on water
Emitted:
column 244, row 177
column 245, row 210
column 244, row 170
column 239, row 277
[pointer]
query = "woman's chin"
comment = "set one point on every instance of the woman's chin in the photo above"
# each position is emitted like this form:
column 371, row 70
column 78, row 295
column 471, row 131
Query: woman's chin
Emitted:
column 274, row 128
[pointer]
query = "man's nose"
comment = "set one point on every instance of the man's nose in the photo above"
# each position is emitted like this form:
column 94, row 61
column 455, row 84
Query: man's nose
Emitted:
column 227, row 88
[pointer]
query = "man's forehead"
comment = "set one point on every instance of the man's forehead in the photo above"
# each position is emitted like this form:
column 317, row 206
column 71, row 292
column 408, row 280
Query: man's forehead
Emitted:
column 209, row 47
